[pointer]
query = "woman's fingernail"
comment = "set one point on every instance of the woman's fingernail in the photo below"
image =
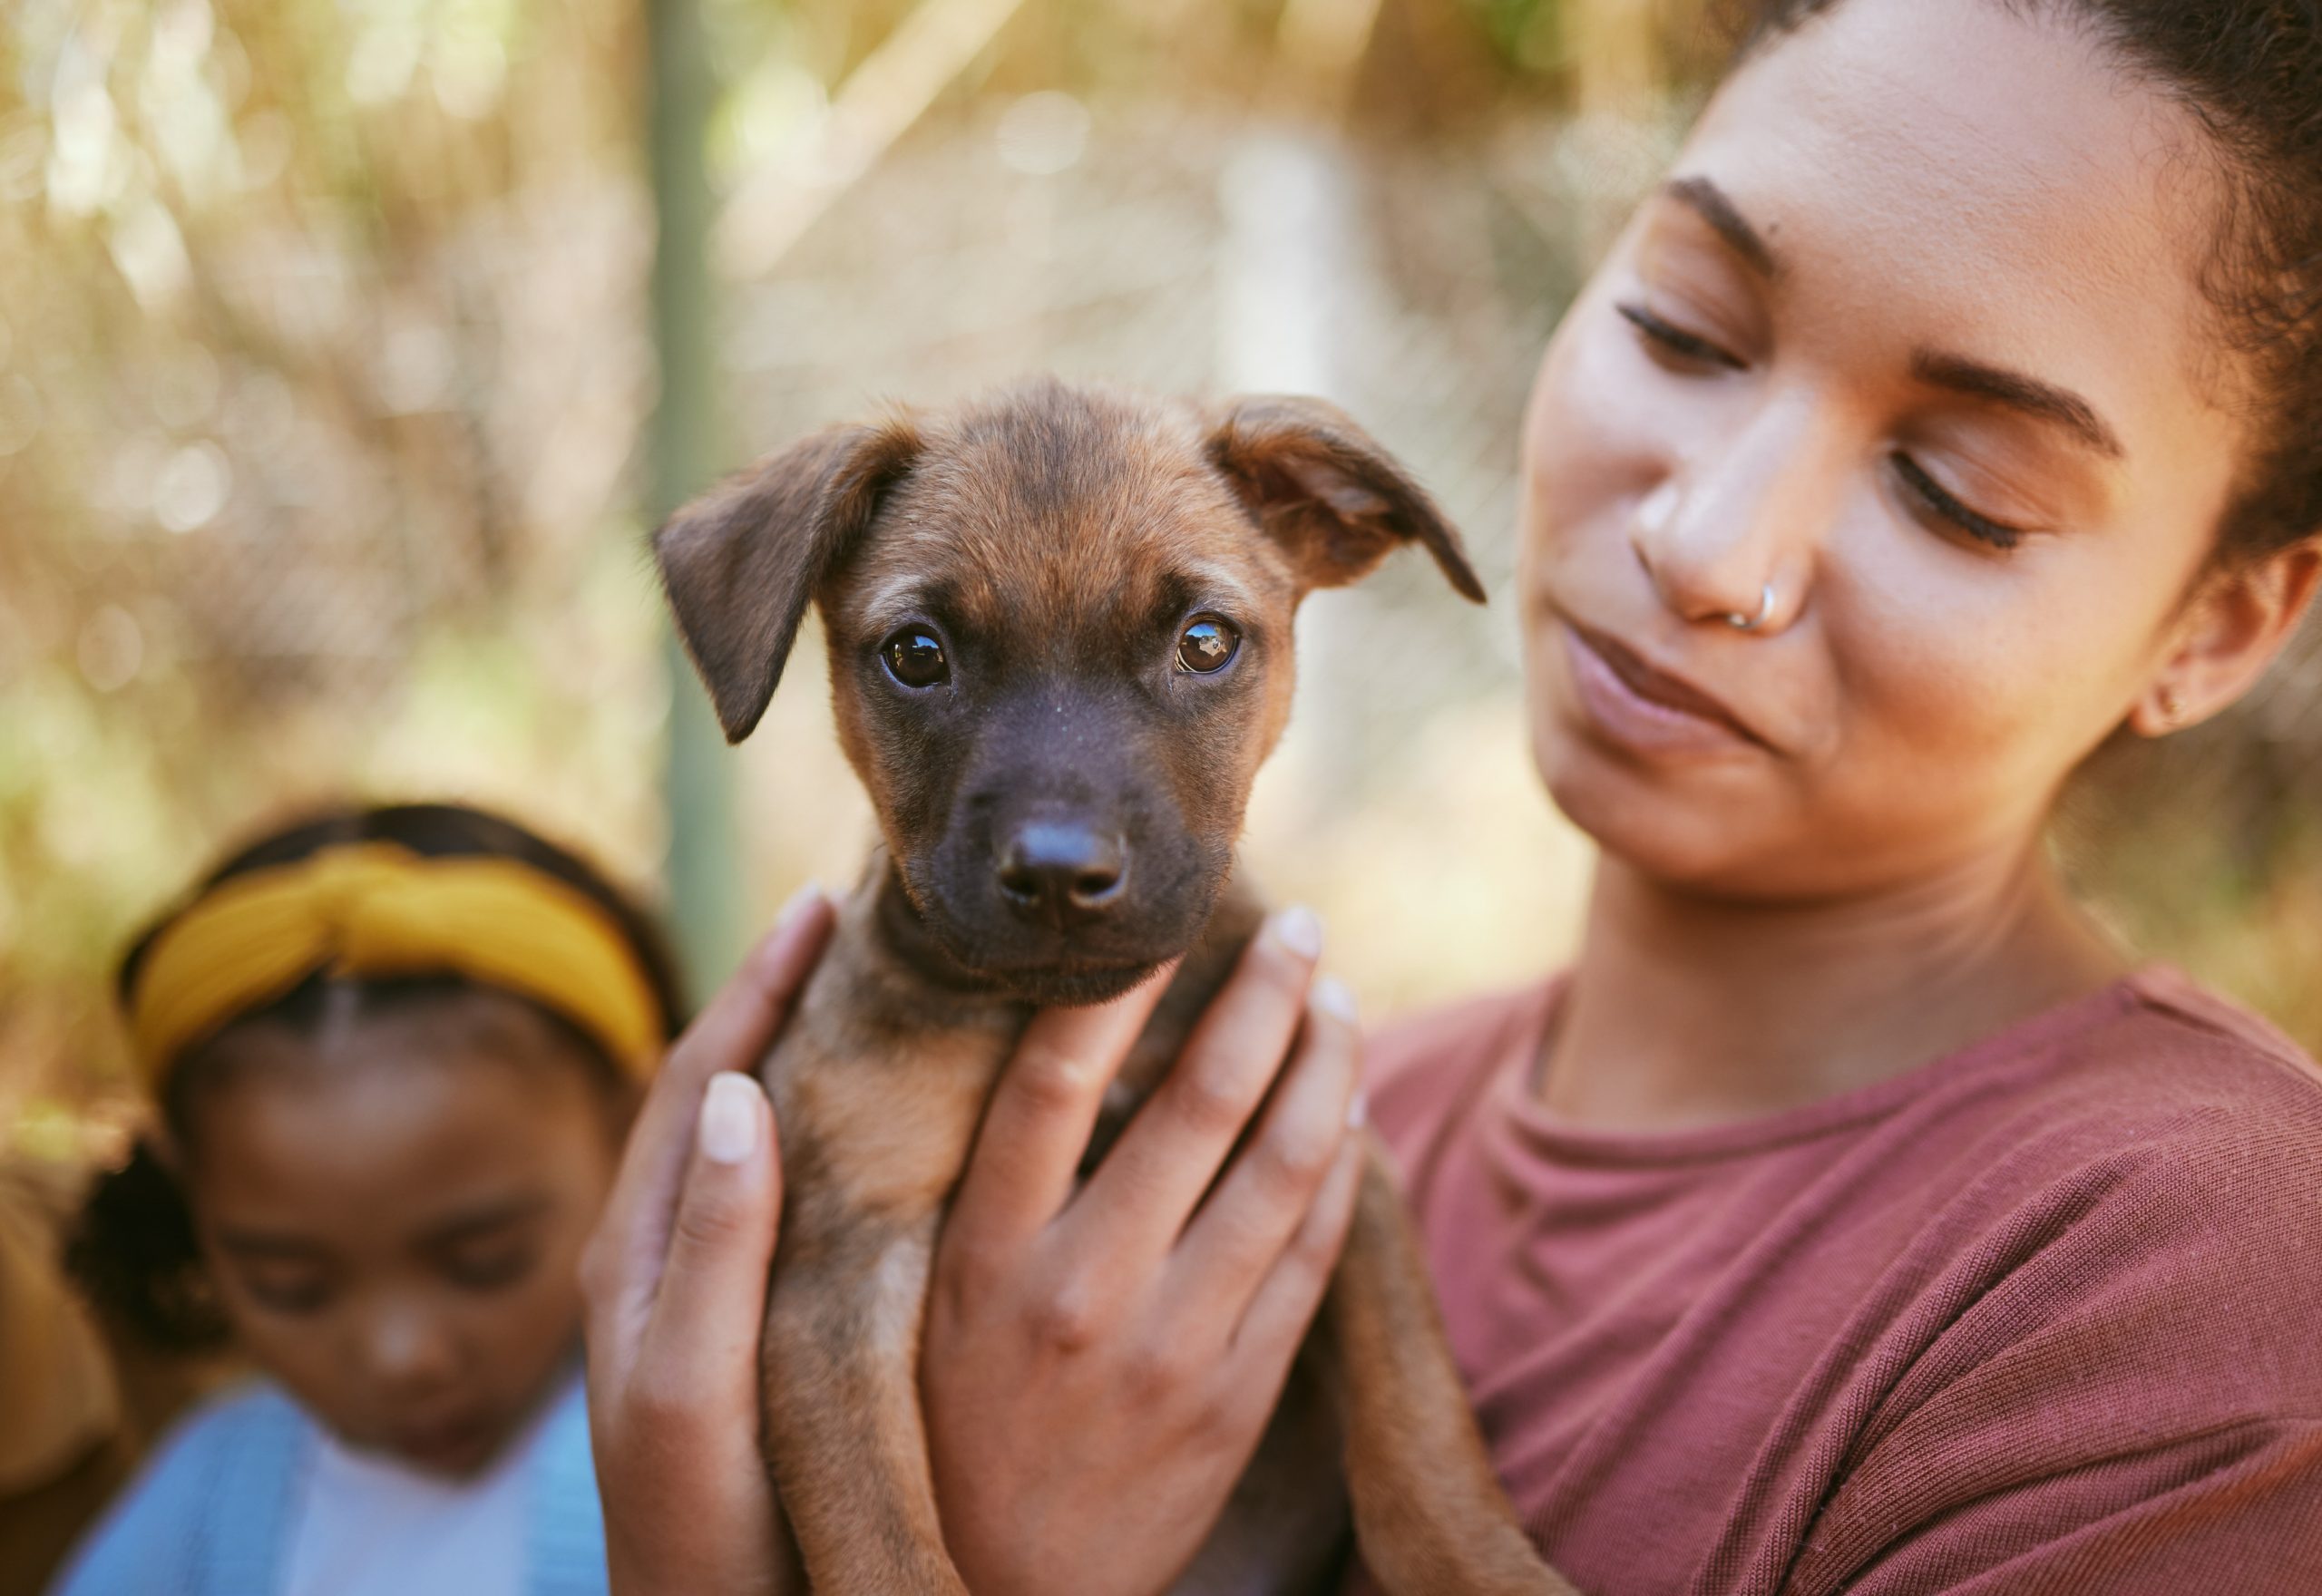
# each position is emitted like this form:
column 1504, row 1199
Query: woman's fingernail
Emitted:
column 1333, row 998
column 729, row 1118
column 1358, row 1109
column 1297, row 928
column 795, row 905
column 795, row 909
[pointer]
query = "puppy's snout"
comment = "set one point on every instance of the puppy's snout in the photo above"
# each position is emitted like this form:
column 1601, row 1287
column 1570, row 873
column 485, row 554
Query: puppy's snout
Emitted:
column 1060, row 872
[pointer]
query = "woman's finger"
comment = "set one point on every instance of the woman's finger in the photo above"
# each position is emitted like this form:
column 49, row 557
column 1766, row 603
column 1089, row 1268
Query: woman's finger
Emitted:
column 623, row 1267
column 1038, row 1123
column 1268, row 1191
column 1145, row 1190
column 706, row 1318
column 737, row 1025
column 1269, row 1333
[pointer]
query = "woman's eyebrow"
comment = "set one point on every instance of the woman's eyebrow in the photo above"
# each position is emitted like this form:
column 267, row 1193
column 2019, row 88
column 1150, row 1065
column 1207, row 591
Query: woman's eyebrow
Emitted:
column 2018, row 392
column 1713, row 206
column 2013, row 389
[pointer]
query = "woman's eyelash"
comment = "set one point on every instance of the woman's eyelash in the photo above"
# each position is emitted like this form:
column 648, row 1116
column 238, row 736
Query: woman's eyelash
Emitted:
column 1676, row 339
column 1999, row 534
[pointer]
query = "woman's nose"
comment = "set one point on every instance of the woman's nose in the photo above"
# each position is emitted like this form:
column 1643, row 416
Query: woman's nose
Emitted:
column 1732, row 534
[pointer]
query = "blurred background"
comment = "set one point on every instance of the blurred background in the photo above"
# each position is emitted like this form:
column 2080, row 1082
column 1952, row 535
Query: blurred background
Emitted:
column 348, row 348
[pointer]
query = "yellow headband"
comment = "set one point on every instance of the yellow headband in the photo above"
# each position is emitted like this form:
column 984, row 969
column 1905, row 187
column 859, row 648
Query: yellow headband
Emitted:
column 373, row 909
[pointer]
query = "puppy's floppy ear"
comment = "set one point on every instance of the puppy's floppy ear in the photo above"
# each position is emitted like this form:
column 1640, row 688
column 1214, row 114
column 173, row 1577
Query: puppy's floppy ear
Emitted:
column 1325, row 490
column 742, row 563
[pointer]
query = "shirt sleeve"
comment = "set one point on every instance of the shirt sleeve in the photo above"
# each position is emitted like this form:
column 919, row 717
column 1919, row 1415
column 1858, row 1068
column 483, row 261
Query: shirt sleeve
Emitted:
column 142, row 1541
column 2136, row 1410
column 204, row 1513
column 2239, row 1510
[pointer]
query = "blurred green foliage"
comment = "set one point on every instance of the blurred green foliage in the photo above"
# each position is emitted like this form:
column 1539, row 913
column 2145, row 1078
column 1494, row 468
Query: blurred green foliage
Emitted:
column 1527, row 33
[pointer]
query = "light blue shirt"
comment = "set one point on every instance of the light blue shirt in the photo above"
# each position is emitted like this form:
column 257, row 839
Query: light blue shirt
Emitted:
column 210, row 1513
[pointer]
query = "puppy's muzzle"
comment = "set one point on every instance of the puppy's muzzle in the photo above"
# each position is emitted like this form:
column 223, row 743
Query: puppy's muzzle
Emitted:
column 1062, row 873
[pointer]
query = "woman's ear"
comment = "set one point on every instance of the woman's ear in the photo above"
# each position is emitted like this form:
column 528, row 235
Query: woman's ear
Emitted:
column 2242, row 616
column 1326, row 493
column 741, row 563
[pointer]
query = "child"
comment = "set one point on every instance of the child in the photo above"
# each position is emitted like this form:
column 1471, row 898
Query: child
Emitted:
column 393, row 1053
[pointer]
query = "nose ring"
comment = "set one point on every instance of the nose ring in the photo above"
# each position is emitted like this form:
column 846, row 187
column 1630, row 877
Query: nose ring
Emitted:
column 1750, row 623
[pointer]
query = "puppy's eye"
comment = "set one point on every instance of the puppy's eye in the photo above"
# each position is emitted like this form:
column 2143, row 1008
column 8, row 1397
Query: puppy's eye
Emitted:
column 915, row 658
column 1206, row 643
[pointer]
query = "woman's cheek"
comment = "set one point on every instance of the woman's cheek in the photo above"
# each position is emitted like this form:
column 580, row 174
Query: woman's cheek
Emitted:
column 1590, row 438
column 1958, row 685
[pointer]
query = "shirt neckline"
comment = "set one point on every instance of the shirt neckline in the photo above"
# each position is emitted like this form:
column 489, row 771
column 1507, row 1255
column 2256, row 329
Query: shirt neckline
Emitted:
column 1543, row 1129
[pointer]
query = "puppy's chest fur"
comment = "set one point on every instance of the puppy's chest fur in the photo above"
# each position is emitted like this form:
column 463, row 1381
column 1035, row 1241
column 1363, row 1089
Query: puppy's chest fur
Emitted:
column 881, row 1077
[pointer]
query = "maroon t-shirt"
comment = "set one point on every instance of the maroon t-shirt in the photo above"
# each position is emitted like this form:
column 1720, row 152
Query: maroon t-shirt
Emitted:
column 2044, row 1315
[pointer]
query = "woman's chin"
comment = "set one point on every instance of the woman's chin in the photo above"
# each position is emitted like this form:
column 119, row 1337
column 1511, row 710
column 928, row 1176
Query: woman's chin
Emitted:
column 1658, row 823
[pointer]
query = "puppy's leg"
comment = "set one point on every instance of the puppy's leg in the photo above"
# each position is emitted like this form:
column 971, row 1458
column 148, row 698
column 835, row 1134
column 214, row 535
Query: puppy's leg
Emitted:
column 843, row 1435
column 1429, row 1516
column 1284, row 1532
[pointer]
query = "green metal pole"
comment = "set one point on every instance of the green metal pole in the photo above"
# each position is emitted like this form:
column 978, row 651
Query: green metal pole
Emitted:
column 684, row 450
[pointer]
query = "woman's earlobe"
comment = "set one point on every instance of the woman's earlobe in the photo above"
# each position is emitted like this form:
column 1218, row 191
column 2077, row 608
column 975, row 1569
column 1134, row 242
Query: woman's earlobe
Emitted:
column 2239, row 620
column 2161, row 712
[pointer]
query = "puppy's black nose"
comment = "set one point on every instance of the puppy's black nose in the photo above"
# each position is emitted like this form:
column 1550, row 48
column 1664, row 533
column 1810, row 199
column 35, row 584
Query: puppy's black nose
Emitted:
column 1060, row 872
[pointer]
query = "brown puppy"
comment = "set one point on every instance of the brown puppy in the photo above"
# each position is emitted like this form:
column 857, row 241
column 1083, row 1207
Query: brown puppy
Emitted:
column 1059, row 633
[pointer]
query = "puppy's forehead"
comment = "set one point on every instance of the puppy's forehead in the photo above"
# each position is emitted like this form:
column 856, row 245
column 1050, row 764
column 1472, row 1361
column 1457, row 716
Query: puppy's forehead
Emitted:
column 1065, row 504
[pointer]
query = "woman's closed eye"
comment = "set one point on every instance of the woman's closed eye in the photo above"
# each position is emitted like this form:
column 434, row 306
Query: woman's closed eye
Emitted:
column 1669, row 340
column 1940, row 502
column 1665, row 337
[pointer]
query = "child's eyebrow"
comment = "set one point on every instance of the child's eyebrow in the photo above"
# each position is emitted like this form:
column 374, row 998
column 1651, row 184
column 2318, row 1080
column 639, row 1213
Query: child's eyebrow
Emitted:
column 270, row 1244
column 483, row 1218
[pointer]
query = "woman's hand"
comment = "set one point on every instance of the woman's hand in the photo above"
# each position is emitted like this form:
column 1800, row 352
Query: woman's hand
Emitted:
column 1098, row 1366
column 675, row 1282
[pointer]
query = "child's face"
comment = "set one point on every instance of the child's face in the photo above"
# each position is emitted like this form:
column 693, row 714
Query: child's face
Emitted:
column 394, row 1213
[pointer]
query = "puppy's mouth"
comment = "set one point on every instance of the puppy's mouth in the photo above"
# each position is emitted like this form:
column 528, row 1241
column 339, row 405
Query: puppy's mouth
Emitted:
column 1042, row 967
column 1068, row 975
column 1069, row 986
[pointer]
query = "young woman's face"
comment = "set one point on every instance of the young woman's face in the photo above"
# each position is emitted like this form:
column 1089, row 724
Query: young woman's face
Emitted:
column 1911, row 340
column 395, row 1212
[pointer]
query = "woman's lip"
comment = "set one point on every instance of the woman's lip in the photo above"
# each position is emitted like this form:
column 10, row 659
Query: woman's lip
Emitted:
column 1644, row 705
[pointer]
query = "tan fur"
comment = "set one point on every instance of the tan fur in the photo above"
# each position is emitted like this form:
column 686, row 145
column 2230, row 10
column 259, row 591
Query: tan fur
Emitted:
column 1051, row 523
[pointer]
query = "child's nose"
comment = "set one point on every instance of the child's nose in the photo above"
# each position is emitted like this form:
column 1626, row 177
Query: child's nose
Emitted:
column 405, row 1345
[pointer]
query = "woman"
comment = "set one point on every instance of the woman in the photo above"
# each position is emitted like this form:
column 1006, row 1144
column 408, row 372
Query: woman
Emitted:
column 393, row 1053
column 1851, row 1215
